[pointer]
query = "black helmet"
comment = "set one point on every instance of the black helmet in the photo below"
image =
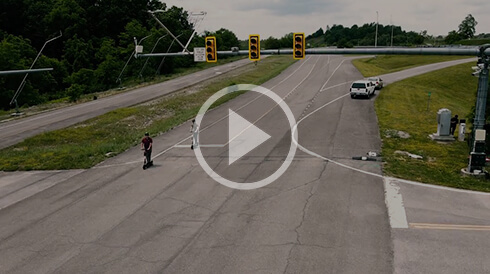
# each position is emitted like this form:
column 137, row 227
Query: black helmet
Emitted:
column 147, row 134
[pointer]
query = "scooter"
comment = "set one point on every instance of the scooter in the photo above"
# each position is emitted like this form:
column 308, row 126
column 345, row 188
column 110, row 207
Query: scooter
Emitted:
column 145, row 162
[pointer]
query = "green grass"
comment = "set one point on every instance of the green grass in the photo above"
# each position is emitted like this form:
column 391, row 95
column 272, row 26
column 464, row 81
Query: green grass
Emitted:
column 86, row 144
column 383, row 64
column 403, row 106
column 474, row 42
column 179, row 72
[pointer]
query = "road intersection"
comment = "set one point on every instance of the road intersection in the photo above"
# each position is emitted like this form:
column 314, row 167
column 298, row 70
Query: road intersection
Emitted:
column 326, row 214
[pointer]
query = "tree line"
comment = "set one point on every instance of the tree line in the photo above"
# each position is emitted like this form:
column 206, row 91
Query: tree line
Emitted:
column 98, row 39
column 466, row 30
column 365, row 35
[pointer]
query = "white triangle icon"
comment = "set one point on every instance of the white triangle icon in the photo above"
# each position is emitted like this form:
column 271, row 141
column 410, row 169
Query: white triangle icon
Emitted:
column 243, row 137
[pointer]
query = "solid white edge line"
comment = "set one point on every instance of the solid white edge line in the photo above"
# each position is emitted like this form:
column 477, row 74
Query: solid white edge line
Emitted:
column 205, row 146
column 438, row 187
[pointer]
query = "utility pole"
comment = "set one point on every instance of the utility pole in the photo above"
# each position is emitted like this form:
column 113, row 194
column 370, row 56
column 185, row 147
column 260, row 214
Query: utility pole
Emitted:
column 376, row 38
column 477, row 155
column 391, row 22
column 481, row 97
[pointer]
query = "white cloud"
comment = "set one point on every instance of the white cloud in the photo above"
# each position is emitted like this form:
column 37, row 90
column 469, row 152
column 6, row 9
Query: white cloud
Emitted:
column 279, row 17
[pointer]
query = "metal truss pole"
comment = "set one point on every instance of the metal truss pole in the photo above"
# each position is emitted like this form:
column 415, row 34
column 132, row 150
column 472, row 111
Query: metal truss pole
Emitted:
column 119, row 79
column 166, row 29
column 203, row 14
column 481, row 97
column 22, row 84
column 153, row 49
column 163, row 60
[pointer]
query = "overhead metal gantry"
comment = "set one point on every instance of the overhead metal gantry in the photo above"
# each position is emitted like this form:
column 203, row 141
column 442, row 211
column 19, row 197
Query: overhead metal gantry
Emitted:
column 23, row 71
column 470, row 51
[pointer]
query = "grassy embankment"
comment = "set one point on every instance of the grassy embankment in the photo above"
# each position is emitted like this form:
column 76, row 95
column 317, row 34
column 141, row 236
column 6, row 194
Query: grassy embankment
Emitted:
column 87, row 143
column 474, row 42
column 383, row 64
column 403, row 106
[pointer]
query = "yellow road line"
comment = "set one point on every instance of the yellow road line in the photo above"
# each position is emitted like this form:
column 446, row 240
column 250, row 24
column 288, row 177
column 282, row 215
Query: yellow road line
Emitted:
column 450, row 226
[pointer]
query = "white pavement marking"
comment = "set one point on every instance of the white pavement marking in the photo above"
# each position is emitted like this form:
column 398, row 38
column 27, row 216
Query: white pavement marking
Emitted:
column 394, row 203
column 439, row 187
column 178, row 144
column 205, row 146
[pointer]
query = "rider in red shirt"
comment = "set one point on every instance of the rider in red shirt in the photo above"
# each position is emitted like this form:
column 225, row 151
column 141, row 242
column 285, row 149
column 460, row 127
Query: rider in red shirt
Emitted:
column 147, row 144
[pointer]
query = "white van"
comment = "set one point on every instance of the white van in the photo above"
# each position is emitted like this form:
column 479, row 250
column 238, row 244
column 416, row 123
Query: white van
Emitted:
column 362, row 88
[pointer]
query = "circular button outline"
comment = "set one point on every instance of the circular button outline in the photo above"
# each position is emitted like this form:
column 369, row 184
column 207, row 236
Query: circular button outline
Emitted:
column 292, row 149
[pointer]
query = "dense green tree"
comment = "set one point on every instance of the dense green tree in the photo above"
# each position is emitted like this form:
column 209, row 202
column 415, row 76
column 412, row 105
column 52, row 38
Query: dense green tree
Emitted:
column 452, row 37
column 286, row 41
column 341, row 36
column 68, row 16
column 226, row 39
column 467, row 27
column 98, row 38
column 15, row 53
column 316, row 34
column 78, row 53
column 271, row 43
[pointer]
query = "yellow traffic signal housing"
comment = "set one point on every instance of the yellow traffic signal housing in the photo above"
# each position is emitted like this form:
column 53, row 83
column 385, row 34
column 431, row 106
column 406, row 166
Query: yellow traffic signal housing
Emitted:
column 254, row 47
column 299, row 46
column 211, row 54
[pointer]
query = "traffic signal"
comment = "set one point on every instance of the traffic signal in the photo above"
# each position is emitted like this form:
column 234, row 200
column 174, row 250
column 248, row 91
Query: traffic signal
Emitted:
column 211, row 54
column 299, row 46
column 254, row 47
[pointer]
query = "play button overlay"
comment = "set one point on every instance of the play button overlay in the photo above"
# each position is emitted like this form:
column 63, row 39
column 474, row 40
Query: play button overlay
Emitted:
column 244, row 137
column 251, row 150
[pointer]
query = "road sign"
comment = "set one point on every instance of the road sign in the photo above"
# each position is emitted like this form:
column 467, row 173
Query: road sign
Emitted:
column 199, row 54
column 139, row 49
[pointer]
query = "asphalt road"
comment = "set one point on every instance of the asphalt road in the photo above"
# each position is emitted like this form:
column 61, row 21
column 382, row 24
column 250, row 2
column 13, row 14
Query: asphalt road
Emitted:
column 318, row 217
column 17, row 130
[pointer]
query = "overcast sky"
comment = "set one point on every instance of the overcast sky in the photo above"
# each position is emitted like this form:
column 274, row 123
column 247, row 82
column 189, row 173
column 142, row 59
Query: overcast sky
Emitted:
column 279, row 17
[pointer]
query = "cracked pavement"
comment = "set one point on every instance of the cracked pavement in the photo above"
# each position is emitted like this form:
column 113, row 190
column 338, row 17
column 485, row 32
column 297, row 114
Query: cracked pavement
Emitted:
column 174, row 218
